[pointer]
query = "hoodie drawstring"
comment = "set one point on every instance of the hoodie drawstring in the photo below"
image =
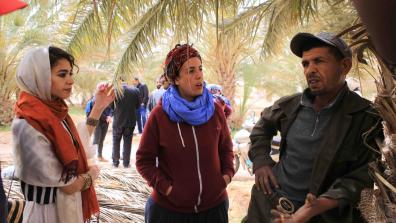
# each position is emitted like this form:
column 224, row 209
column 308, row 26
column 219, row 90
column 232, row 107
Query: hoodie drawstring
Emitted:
column 181, row 137
column 198, row 169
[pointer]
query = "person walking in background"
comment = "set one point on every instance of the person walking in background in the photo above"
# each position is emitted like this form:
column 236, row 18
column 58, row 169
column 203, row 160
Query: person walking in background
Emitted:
column 188, row 134
column 124, row 122
column 103, row 125
column 223, row 101
column 158, row 84
column 156, row 95
column 354, row 85
column 143, row 99
column 50, row 153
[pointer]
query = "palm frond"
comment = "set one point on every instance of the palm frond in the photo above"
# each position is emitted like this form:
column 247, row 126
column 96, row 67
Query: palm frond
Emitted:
column 84, row 29
column 246, row 17
column 141, row 37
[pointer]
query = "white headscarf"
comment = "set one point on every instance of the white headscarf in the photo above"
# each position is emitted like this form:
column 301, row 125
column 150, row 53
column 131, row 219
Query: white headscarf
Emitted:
column 34, row 73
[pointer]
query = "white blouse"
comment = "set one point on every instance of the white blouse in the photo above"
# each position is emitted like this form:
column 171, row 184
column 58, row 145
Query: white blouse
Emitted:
column 36, row 164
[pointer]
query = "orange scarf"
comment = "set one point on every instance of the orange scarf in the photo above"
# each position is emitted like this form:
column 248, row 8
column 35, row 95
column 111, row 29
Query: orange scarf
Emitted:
column 46, row 117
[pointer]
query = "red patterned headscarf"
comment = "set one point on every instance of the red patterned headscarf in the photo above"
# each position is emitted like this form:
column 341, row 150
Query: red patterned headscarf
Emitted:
column 176, row 58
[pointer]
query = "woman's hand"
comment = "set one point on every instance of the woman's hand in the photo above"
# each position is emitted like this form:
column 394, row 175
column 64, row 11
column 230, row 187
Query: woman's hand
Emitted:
column 94, row 172
column 169, row 190
column 108, row 119
column 227, row 179
column 104, row 96
column 80, row 181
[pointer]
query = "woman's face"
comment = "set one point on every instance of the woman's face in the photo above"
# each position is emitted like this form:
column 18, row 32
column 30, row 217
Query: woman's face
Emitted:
column 190, row 80
column 61, row 79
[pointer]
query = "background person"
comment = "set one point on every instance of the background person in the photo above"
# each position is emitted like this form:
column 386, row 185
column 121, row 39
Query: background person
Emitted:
column 143, row 100
column 156, row 95
column 124, row 122
column 216, row 91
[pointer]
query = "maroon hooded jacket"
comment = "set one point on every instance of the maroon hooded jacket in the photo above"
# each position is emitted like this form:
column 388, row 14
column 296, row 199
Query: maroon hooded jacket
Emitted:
column 193, row 159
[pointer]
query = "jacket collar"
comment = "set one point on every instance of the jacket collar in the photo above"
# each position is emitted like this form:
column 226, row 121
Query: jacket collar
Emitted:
column 350, row 104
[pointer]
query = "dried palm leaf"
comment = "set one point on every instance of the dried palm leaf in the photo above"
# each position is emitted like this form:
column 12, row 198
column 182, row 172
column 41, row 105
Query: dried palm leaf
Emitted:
column 380, row 205
column 122, row 195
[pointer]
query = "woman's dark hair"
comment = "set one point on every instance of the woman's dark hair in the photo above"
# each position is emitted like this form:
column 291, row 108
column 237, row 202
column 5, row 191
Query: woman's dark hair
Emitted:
column 56, row 54
column 172, row 72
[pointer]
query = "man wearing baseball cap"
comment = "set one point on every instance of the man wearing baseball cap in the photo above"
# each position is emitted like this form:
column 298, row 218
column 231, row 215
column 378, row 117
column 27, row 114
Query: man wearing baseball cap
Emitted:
column 325, row 130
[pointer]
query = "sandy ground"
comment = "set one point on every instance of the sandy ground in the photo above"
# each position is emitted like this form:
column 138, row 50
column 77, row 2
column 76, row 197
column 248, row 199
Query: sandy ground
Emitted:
column 238, row 190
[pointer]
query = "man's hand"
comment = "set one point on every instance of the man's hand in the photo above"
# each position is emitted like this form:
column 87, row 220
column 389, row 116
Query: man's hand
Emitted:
column 310, row 200
column 313, row 206
column 280, row 217
column 265, row 178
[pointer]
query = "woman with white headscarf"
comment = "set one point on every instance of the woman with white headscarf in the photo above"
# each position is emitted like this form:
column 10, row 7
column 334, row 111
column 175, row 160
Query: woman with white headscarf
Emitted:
column 49, row 152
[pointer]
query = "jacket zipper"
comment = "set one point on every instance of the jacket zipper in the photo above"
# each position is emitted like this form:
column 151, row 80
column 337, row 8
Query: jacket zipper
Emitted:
column 199, row 171
column 316, row 123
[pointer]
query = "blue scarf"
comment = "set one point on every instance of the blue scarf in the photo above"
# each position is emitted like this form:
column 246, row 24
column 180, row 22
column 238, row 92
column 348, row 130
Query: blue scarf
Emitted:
column 196, row 112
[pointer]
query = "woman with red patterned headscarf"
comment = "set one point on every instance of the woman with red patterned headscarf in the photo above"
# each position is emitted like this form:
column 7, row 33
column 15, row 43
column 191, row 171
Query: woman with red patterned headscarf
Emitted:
column 185, row 152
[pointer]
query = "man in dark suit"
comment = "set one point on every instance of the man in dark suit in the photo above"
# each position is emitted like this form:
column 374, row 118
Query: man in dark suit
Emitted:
column 124, row 121
column 144, row 97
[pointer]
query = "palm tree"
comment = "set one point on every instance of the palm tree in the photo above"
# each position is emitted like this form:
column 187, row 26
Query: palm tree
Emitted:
column 19, row 31
column 136, row 27
column 138, row 24
column 377, row 35
column 222, row 57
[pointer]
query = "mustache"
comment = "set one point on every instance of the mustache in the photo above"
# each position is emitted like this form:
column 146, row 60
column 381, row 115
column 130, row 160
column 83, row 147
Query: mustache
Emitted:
column 313, row 76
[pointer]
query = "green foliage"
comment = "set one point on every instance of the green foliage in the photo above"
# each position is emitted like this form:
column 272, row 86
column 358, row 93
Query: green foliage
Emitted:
column 18, row 32
column 272, row 78
column 150, row 69
column 116, row 38
column 77, row 111
column 6, row 128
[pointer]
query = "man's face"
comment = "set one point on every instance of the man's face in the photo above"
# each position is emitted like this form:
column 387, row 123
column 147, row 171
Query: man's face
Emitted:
column 165, row 84
column 325, row 74
column 158, row 84
column 135, row 82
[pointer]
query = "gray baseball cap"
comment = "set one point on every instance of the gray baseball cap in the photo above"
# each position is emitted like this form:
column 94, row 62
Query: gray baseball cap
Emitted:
column 299, row 40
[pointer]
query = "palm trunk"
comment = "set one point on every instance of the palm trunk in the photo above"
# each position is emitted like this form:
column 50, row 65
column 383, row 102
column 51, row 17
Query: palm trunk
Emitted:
column 380, row 20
